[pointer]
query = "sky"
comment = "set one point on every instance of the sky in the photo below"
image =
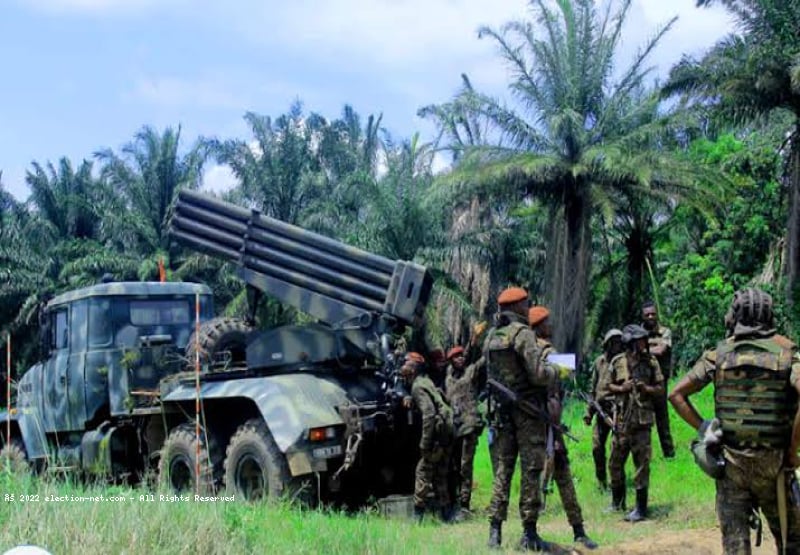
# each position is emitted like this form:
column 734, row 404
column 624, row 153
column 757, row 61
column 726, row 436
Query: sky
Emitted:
column 84, row 75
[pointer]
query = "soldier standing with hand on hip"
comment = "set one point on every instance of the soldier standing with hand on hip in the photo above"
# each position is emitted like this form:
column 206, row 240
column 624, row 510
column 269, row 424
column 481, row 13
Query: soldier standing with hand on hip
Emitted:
column 750, row 448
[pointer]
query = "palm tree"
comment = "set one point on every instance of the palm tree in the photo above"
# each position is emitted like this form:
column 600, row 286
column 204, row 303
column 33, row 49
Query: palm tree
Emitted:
column 278, row 170
column 576, row 136
column 147, row 174
column 752, row 73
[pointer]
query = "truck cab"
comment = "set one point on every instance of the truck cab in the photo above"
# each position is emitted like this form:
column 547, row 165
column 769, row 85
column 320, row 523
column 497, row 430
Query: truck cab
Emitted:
column 107, row 348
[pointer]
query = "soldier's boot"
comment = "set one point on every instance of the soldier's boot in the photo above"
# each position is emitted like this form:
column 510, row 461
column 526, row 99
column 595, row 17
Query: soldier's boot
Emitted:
column 581, row 537
column 419, row 513
column 640, row 512
column 602, row 483
column 617, row 499
column 495, row 534
column 531, row 541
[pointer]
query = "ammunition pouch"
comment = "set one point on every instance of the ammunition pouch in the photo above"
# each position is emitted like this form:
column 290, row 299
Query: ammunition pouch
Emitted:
column 709, row 459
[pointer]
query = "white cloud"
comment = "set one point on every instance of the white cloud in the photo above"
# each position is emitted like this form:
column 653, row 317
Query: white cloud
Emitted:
column 218, row 179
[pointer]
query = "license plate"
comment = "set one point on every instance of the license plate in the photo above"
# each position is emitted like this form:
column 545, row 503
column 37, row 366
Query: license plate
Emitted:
column 327, row 452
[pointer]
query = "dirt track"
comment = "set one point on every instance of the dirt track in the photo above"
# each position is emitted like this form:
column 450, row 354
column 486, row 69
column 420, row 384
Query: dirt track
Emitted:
column 690, row 542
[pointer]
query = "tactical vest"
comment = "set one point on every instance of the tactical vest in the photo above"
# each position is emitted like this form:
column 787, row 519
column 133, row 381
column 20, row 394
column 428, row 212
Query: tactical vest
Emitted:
column 444, row 429
column 463, row 398
column 753, row 399
column 505, row 366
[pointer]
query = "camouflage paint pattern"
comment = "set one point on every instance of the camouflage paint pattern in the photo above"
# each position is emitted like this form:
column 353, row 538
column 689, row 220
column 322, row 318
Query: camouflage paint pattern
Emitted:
column 512, row 356
column 524, row 437
column 750, row 480
column 461, row 389
column 461, row 468
column 436, row 440
column 635, row 417
column 99, row 359
column 562, row 476
column 601, row 374
column 634, row 442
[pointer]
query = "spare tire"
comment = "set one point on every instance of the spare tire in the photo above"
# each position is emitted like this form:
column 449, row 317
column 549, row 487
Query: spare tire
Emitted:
column 222, row 344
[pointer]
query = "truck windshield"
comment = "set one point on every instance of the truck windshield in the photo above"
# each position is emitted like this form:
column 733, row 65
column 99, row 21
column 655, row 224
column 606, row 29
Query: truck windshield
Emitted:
column 160, row 312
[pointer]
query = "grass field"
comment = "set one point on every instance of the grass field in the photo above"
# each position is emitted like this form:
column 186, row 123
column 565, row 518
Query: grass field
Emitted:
column 681, row 498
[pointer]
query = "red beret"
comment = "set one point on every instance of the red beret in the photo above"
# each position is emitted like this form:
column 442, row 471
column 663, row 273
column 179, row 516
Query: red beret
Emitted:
column 457, row 350
column 416, row 358
column 512, row 295
column 537, row 314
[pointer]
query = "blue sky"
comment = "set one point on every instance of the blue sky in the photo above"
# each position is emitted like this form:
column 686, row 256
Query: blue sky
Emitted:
column 81, row 75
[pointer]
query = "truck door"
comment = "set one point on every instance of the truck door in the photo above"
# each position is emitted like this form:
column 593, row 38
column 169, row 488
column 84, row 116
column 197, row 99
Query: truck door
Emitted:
column 55, row 376
column 76, row 391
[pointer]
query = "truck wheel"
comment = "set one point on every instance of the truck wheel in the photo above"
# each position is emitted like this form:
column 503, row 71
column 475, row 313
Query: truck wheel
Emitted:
column 176, row 467
column 13, row 458
column 254, row 466
column 217, row 336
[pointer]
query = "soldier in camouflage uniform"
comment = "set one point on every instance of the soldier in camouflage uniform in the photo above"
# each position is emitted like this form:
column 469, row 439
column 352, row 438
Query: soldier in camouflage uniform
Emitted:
column 430, row 484
column 660, row 342
column 756, row 384
column 601, row 370
column 461, row 390
column 539, row 320
column 635, row 381
column 511, row 357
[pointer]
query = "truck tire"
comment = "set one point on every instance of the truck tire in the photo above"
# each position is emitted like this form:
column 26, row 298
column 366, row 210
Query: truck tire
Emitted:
column 254, row 466
column 217, row 336
column 176, row 466
column 13, row 458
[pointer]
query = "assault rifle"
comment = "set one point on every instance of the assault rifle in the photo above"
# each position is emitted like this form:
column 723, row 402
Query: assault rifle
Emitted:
column 528, row 408
column 599, row 411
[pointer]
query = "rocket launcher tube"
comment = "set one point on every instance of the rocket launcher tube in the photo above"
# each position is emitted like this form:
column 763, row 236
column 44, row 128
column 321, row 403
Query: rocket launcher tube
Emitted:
column 328, row 279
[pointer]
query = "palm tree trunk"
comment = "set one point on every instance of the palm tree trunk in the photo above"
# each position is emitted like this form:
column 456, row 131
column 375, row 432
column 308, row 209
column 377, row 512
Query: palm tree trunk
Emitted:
column 568, row 274
column 793, row 226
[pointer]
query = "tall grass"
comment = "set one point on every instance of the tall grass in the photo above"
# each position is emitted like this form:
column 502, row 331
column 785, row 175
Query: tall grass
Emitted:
column 681, row 497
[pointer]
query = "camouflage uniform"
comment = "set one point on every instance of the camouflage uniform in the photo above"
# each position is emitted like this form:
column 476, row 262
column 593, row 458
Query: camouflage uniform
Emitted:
column 430, row 484
column 461, row 389
column 635, row 418
column 748, row 372
column 512, row 358
column 561, row 471
column 663, row 336
column 601, row 370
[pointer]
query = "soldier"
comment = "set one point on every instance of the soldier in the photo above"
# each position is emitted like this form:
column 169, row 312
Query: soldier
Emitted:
column 430, row 484
column 511, row 358
column 539, row 320
column 660, row 342
column 636, row 381
column 601, row 370
column 755, row 374
column 461, row 389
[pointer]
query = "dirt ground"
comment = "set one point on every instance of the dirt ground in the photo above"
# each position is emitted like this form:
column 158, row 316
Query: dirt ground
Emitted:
column 690, row 542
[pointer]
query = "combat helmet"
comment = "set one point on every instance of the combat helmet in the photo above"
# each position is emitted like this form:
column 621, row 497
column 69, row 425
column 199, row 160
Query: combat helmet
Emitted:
column 751, row 307
column 632, row 332
column 611, row 334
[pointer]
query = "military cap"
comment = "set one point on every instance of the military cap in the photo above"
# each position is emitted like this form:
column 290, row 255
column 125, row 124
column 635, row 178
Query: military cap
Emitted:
column 415, row 358
column 457, row 350
column 537, row 314
column 632, row 332
column 512, row 295
column 610, row 334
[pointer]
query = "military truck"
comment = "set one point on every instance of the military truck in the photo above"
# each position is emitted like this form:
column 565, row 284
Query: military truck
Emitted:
column 309, row 410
